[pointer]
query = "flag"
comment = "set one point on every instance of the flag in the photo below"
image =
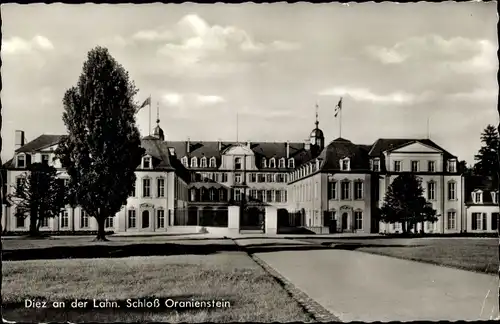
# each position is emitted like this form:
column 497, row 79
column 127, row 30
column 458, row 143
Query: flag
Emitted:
column 338, row 107
column 145, row 103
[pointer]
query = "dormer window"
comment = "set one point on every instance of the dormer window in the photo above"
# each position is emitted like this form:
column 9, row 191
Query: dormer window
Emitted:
column 184, row 161
column 494, row 197
column 345, row 164
column 477, row 197
column 203, row 162
column 264, row 163
column 452, row 166
column 272, row 163
column 376, row 165
column 237, row 163
column 45, row 159
column 146, row 162
column 212, row 162
column 194, row 162
column 397, row 166
column 291, row 163
column 281, row 163
column 21, row 161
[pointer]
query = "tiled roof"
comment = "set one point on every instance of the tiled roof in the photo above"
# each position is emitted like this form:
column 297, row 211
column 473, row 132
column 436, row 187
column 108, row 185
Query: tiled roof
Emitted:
column 384, row 144
column 484, row 184
column 342, row 148
column 39, row 143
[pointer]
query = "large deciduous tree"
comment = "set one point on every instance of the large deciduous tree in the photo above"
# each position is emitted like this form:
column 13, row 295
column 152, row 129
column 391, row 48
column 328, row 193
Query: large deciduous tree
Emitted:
column 404, row 203
column 487, row 164
column 38, row 194
column 103, row 146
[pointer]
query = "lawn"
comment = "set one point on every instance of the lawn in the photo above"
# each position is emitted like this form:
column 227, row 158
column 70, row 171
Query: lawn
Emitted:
column 231, row 276
column 474, row 254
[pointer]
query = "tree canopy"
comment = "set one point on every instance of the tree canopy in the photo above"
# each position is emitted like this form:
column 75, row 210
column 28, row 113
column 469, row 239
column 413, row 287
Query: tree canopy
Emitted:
column 487, row 164
column 404, row 203
column 38, row 194
column 103, row 146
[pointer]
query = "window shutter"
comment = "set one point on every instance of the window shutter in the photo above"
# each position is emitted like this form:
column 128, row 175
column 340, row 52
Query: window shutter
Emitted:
column 474, row 221
column 485, row 221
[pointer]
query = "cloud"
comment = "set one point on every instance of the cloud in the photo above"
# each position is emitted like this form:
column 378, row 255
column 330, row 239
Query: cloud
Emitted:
column 209, row 99
column 460, row 54
column 361, row 94
column 18, row 45
column 173, row 98
column 475, row 95
column 152, row 35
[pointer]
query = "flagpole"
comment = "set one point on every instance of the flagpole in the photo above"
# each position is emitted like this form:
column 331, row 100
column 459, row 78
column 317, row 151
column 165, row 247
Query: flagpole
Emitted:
column 428, row 127
column 237, row 122
column 149, row 131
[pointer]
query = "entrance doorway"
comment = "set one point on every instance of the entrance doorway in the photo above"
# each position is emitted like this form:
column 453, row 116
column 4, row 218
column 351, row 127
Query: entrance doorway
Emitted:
column 344, row 221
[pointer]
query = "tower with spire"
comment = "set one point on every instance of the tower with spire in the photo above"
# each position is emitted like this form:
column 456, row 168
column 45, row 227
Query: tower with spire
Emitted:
column 317, row 139
column 158, row 132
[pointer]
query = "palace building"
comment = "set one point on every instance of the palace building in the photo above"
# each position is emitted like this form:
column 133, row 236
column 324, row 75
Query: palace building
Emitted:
column 231, row 186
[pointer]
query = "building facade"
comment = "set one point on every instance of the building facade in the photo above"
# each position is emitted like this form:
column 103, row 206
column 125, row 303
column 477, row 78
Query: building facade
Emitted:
column 331, row 188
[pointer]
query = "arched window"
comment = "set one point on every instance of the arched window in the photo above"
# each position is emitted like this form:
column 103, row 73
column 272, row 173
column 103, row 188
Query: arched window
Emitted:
column 281, row 163
column 146, row 162
column 291, row 163
column 184, row 161
column 194, row 162
column 145, row 219
column 264, row 162
column 272, row 163
column 212, row 162
column 203, row 162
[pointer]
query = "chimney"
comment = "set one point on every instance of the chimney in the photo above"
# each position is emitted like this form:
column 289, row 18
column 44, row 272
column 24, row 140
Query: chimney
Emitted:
column 188, row 146
column 19, row 141
column 220, row 145
column 249, row 144
column 307, row 145
column 287, row 149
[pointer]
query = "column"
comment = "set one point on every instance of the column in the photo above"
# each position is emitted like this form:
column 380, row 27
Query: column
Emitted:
column 233, row 221
column 271, row 220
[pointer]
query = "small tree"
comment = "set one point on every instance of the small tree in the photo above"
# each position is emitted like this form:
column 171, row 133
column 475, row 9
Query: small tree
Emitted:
column 38, row 194
column 103, row 148
column 404, row 203
column 487, row 164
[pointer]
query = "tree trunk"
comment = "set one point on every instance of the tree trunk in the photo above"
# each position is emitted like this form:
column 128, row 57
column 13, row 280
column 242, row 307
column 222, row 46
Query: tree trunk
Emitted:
column 33, row 223
column 101, row 233
column 422, row 229
column 403, row 226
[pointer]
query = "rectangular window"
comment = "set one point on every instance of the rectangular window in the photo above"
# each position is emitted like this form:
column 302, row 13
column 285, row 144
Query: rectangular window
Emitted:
column 224, row 177
column 160, row 215
column 109, row 222
column 478, row 197
column 431, row 190
column 132, row 192
column 397, row 166
column 64, row 219
column 20, row 182
column 431, row 166
column 452, row 166
column 261, row 195
column 414, row 166
column 278, row 196
column 21, row 161
column 237, row 178
column 45, row 222
column 261, row 177
column 212, row 163
column 358, row 220
column 84, row 219
column 237, row 194
column 346, row 188
column 291, row 163
column 146, row 163
column 131, row 218
column 222, row 195
column 194, row 162
column 146, row 187
column 281, row 163
column 237, row 163
column 494, row 221
column 20, row 221
column 494, row 197
column 332, row 190
column 160, row 187
column 358, row 190
column 376, row 165
column 478, row 221
column 269, row 177
column 252, row 177
column 45, row 159
column 452, row 191
column 269, row 196
column 285, row 196
column 452, row 220
column 345, row 165
column 203, row 162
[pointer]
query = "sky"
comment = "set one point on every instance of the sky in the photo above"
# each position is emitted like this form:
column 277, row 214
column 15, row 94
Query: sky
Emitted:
column 403, row 70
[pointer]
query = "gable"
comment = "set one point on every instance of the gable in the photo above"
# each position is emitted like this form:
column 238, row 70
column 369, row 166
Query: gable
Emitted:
column 415, row 147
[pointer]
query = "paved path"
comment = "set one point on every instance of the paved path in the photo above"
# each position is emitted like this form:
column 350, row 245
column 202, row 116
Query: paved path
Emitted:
column 357, row 286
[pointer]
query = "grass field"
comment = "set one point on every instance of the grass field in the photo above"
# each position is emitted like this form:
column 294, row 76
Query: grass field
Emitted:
column 474, row 254
column 231, row 276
